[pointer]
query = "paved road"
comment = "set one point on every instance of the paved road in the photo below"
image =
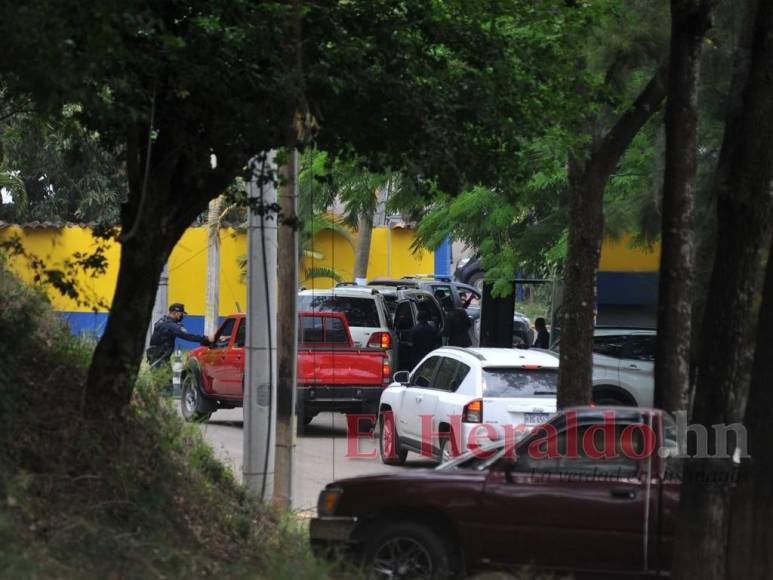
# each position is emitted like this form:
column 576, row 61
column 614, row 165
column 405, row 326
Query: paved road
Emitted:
column 320, row 454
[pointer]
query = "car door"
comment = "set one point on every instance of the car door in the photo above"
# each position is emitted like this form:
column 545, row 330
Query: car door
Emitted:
column 575, row 513
column 232, row 373
column 419, row 387
column 215, row 358
column 432, row 404
column 637, row 367
column 403, row 324
column 607, row 352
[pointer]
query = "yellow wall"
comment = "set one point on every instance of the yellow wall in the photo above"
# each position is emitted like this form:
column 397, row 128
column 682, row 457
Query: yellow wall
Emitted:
column 621, row 256
column 54, row 246
column 338, row 253
column 188, row 263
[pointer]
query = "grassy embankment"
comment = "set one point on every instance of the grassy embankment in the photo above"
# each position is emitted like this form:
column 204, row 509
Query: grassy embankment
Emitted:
column 152, row 503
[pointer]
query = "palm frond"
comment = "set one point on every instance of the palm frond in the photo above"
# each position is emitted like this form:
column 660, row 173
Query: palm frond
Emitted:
column 322, row 272
column 320, row 223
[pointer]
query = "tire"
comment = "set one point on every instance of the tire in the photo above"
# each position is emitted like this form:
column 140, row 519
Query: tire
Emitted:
column 388, row 442
column 477, row 280
column 194, row 407
column 612, row 397
column 407, row 550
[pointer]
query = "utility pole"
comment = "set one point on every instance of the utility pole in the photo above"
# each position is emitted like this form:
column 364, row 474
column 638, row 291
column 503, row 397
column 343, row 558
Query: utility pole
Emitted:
column 287, row 326
column 212, row 303
column 261, row 370
column 161, row 304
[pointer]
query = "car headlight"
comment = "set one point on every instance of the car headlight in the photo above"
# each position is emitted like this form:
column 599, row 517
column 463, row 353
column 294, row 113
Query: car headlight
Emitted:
column 463, row 262
column 328, row 501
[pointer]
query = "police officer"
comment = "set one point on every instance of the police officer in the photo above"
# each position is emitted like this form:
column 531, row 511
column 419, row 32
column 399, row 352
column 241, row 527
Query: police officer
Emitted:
column 165, row 331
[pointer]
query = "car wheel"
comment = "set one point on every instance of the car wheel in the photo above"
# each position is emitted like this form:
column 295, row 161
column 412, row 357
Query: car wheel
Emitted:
column 477, row 280
column 194, row 407
column 388, row 441
column 612, row 398
column 406, row 550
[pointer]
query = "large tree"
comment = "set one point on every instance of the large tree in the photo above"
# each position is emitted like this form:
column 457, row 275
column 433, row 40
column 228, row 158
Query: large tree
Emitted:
column 744, row 207
column 193, row 90
column 690, row 20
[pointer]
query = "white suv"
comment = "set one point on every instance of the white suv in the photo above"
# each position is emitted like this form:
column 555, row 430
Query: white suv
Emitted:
column 370, row 322
column 465, row 395
column 623, row 366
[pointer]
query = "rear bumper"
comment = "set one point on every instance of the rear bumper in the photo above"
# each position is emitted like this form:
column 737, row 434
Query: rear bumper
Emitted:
column 314, row 399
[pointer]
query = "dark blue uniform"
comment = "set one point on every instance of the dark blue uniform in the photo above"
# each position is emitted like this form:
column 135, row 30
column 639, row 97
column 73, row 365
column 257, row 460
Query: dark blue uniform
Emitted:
column 165, row 332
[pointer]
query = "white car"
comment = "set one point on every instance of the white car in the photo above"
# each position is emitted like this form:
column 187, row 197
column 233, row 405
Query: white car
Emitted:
column 624, row 366
column 471, row 394
column 370, row 322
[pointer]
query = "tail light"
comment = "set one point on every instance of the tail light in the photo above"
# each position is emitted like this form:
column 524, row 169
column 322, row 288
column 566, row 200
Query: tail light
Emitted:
column 380, row 340
column 386, row 372
column 473, row 412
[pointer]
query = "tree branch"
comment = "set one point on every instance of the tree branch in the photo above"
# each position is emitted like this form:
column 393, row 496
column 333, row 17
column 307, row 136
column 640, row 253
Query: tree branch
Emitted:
column 614, row 144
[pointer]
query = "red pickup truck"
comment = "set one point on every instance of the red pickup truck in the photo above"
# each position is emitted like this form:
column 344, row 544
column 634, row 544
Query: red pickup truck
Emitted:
column 332, row 374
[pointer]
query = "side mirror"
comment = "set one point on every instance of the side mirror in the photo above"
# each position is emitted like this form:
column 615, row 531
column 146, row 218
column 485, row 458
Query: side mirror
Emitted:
column 402, row 377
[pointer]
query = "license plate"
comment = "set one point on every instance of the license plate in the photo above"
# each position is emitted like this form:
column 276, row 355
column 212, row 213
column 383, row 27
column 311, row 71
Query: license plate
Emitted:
column 535, row 418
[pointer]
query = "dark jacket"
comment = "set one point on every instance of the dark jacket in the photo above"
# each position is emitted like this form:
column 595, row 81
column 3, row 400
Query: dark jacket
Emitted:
column 425, row 339
column 543, row 339
column 458, row 325
column 165, row 331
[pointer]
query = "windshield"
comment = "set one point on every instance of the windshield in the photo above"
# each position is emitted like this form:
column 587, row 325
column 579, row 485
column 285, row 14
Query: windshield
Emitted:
column 477, row 460
column 358, row 311
column 519, row 382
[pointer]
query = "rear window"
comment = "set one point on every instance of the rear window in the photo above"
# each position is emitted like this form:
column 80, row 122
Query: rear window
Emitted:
column 519, row 382
column 358, row 311
column 317, row 329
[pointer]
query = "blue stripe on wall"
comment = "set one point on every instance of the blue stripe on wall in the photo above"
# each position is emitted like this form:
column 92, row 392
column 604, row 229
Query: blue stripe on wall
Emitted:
column 632, row 288
column 92, row 325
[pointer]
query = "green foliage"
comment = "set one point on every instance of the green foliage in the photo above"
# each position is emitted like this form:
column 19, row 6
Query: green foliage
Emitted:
column 521, row 226
column 64, row 171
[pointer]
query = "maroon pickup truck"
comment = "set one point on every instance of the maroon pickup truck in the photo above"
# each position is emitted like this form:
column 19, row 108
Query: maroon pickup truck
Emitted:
column 332, row 374
column 592, row 490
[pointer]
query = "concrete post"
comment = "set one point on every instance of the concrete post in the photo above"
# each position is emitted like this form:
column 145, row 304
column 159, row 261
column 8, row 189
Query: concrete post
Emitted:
column 261, row 369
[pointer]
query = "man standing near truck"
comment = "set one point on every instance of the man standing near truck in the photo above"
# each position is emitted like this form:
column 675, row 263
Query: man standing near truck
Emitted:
column 166, row 331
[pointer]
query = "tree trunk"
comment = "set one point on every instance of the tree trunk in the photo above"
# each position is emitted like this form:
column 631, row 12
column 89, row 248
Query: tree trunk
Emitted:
column 364, row 235
column 587, row 181
column 586, row 227
column 690, row 20
column 744, row 218
column 750, row 546
column 163, row 201
column 286, row 330
column 119, row 352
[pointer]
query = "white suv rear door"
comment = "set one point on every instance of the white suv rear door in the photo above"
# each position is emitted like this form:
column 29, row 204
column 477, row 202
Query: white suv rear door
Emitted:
column 518, row 396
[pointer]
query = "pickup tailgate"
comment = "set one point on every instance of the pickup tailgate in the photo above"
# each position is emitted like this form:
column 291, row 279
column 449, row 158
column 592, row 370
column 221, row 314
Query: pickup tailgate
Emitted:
column 343, row 367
